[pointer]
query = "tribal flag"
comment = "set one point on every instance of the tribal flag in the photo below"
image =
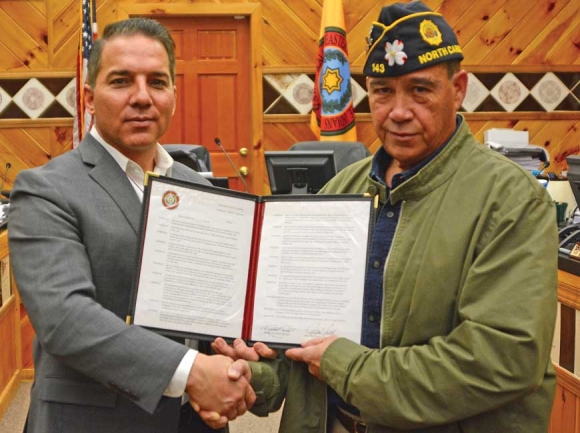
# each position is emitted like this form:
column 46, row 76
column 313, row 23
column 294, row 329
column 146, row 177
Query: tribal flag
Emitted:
column 332, row 108
column 83, row 120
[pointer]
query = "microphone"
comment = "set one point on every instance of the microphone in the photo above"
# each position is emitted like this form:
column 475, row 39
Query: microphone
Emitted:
column 219, row 144
column 5, row 193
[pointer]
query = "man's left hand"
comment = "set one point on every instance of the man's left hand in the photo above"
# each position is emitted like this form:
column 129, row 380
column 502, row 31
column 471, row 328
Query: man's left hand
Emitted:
column 311, row 353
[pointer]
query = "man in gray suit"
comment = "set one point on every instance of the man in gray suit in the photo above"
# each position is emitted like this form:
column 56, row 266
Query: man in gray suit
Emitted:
column 73, row 237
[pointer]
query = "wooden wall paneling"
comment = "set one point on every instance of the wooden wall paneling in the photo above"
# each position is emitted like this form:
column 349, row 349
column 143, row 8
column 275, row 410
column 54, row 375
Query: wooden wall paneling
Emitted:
column 35, row 23
column 22, row 45
column 553, row 137
column 107, row 11
column 8, row 60
column 568, row 145
column 453, row 10
column 563, row 412
column 287, row 39
column 65, row 58
column 28, row 148
column 560, row 28
column 567, row 50
column 308, row 11
column 8, row 367
column 65, row 24
column 40, row 6
column 61, row 140
column 365, row 133
column 566, row 410
column 478, row 127
column 283, row 134
column 537, row 17
column 8, row 337
column 358, row 21
column 494, row 31
column 474, row 19
column 16, row 166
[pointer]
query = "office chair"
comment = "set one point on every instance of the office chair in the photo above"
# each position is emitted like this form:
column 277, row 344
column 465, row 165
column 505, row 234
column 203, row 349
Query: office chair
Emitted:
column 194, row 156
column 345, row 152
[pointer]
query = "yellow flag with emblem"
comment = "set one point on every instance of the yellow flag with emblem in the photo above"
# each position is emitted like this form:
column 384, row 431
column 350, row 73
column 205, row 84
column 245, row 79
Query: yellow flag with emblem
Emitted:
column 332, row 104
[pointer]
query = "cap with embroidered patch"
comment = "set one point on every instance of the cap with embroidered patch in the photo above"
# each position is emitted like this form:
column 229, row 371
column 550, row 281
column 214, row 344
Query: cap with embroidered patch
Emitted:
column 408, row 37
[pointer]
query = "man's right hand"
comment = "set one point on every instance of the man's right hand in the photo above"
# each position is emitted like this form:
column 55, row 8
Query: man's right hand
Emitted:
column 239, row 350
column 220, row 388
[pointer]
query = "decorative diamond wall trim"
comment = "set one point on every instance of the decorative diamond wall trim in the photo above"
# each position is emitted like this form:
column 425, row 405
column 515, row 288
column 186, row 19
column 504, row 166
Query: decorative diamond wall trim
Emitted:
column 489, row 92
column 36, row 98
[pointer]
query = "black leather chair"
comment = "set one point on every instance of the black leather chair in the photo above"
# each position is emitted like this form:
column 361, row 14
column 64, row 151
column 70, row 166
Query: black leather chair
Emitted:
column 194, row 156
column 345, row 152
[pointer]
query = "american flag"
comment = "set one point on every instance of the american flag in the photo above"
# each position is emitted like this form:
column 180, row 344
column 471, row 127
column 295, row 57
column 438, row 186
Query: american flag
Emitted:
column 83, row 120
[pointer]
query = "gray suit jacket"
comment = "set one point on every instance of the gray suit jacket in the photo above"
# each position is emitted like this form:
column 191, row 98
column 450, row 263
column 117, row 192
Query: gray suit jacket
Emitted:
column 73, row 229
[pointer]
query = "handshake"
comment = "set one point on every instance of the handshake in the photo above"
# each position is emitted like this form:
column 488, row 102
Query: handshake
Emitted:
column 219, row 385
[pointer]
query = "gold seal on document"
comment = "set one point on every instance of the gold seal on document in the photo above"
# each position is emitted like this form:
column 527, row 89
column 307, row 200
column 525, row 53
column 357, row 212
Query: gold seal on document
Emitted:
column 170, row 200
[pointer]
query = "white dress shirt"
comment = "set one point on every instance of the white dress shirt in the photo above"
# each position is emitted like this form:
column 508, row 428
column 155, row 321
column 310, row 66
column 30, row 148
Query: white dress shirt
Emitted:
column 135, row 174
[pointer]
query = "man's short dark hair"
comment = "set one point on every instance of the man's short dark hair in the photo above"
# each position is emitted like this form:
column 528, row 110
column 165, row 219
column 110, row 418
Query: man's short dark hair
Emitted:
column 129, row 27
column 453, row 68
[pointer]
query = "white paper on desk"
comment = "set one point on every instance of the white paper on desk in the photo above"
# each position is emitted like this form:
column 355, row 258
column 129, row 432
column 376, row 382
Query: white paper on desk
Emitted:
column 195, row 262
column 311, row 271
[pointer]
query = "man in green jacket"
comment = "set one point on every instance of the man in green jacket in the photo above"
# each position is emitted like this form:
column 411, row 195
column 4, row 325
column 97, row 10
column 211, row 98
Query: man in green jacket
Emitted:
column 460, row 294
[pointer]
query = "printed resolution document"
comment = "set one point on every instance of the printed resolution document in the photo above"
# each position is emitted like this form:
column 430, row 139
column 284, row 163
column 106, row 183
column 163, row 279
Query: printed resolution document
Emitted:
column 278, row 269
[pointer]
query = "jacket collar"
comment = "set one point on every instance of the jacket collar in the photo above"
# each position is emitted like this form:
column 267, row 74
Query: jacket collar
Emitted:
column 437, row 171
column 107, row 173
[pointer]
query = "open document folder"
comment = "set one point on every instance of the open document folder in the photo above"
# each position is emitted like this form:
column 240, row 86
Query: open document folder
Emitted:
column 279, row 269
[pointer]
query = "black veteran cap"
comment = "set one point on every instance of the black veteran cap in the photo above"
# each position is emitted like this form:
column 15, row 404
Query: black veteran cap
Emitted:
column 408, row 37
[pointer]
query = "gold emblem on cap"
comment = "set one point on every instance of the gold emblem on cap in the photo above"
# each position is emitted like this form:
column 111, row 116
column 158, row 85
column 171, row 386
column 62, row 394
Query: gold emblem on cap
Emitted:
column 430, row 32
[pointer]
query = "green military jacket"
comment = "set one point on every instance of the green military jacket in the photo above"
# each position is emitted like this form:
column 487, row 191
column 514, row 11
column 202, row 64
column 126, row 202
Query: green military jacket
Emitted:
column 469, row 307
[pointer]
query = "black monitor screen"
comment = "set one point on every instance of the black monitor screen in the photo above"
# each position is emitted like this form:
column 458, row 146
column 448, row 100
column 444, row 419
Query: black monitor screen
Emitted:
column 574, row 175
column 299, row 171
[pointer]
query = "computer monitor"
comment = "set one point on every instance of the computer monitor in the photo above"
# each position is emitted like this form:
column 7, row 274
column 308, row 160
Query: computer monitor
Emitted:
column 299, row 171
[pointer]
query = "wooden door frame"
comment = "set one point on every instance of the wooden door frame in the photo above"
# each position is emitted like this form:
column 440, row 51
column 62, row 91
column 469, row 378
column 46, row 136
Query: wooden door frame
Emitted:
column 251, row 10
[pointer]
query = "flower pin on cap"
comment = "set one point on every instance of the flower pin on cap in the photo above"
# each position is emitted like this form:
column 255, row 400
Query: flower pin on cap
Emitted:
column 408, row 37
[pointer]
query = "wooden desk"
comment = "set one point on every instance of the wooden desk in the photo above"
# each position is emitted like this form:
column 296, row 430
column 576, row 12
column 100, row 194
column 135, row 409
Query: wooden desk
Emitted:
column 16, row 335
column 566, row 410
